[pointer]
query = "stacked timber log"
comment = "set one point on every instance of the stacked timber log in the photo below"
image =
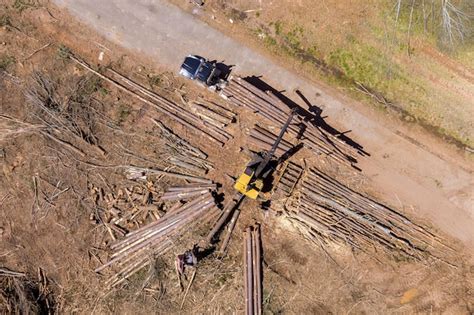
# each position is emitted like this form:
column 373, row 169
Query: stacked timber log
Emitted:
column 182, row 153
column 328, row 210
column 186, row 192
column 252, row 256
column 126, row 208
column 142, row 173
column 213, row 113
column 242, row 93
column 138, row 248
column 289, row 179
column 264, row 139
column 180, row 113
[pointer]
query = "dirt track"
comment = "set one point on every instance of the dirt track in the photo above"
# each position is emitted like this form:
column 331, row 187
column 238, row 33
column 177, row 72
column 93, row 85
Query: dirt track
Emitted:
column 436, row 180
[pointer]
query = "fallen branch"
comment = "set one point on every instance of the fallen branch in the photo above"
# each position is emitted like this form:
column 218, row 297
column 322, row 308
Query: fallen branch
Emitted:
column 10, row 273
column 36, row 51
column 187, row 288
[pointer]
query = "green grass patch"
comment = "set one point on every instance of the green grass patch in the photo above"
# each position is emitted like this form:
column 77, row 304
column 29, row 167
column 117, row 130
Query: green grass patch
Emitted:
column 63, row 52
column 6, row 61
column 236, row 15
column 465, row 54
column 123, row 112
column 277, row 27
column 5, row 20
column 367, row 65
column 22, row 5
column 370, row 63
column 154, row 80
column 294, row 37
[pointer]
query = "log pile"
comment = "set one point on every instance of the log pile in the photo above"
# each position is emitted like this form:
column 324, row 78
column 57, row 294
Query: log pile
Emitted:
column 182, row 113
column 142, row 173
column 186, row 192
column 129, row 208
column 243, row 94
column 330, row 211
column 289, row 179
column 263, row 138
column 181, row 153
column 126, row 208
column 252, row 259
column 137, row 249
column 213, row 113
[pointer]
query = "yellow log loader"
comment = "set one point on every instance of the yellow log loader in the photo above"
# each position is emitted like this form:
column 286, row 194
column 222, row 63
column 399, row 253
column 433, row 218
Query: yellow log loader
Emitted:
column 251, row 181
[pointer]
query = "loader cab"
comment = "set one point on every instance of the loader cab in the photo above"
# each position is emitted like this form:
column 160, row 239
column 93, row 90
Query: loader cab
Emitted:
column 247, row 184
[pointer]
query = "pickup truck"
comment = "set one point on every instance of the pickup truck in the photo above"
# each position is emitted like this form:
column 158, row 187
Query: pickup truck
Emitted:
column 203, row 71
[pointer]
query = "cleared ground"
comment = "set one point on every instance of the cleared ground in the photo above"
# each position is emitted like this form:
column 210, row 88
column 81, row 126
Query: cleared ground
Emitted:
column 63, row 238
column 405, row 162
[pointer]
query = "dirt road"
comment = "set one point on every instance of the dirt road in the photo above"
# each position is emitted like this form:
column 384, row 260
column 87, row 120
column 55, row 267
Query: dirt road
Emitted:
column 431, row 178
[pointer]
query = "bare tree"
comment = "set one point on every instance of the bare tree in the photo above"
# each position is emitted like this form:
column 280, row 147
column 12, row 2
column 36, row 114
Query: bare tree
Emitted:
column 453, row 21
column 445, row 14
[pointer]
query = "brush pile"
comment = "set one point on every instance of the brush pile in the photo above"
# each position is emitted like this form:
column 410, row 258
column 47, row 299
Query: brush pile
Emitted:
column 328, row 210
column 21, row 295
column 67, row 118
column 11, row 127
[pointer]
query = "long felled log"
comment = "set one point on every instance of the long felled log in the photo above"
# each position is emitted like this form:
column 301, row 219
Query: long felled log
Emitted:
column 252, row 258
column 133, row 252
column 163, row 105
column 244, row 94
column 135, row 172
column 329, row 210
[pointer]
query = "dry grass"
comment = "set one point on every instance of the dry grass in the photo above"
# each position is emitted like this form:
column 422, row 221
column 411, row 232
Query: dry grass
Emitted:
column 21, row 295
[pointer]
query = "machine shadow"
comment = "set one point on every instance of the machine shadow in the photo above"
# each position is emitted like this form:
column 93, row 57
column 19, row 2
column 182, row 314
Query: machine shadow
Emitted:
column 224, row 69
column 313, row 115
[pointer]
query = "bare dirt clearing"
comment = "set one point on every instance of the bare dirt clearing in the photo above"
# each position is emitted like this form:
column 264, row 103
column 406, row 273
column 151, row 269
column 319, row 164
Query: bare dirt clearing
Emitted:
column 405, row 162
column 50, row 218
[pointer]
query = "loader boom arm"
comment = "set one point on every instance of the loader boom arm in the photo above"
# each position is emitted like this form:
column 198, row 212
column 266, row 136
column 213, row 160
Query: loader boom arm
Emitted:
column 261, row 167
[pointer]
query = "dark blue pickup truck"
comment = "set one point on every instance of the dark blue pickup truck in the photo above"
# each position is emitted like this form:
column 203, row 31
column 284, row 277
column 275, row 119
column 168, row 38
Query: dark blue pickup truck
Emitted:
column 200, row 69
